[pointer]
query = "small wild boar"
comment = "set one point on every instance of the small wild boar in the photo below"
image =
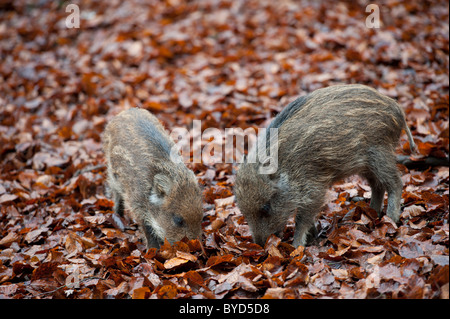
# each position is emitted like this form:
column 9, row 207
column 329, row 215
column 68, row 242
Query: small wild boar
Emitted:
column 324, row 137
column 162, row 195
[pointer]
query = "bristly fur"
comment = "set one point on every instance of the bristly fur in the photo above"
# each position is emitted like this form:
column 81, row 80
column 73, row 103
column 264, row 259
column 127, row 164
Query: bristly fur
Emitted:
column 163, row 197
column 324, row 137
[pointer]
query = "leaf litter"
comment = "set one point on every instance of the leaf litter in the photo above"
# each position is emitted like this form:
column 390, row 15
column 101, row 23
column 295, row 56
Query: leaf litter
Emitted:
column 228, row 64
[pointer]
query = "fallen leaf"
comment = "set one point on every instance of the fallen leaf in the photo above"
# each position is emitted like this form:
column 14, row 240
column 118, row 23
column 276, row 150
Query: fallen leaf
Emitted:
column 174, row 262
column 141, row 293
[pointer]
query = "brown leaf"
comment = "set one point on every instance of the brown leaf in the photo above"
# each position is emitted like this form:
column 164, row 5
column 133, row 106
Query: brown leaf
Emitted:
column 45, row 270
column 217, row 260
column 141, row 293
column 273, row 251
column 222, row 202
column 236, row 278
column 167, row 292
column 187, row 256
column 279, row 293
column 174, row 262
column 73, row 245
column 34, row 234
column 11, row 237
column 166, row 250
column 5, row 198
column 194, row 278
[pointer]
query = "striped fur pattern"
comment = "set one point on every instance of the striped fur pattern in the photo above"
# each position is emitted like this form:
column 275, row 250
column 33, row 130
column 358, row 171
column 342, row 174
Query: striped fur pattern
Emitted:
column 323, row 137
column 162, row 196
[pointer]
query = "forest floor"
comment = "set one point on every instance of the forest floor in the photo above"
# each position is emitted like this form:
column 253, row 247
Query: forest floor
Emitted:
column 229, row 64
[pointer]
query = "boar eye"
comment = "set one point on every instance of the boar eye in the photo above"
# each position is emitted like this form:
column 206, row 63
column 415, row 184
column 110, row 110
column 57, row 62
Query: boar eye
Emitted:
column 178, row 221
column 266, row 209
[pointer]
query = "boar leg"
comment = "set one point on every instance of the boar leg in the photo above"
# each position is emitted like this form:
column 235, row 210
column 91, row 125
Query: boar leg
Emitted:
column 383, row 166
column 118, row 211
column 304, row 223
column 118, row 203
column 378, row 190
column 394, row 189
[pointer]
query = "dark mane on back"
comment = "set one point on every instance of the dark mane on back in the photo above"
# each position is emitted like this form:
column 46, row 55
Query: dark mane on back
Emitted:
column 288, row 111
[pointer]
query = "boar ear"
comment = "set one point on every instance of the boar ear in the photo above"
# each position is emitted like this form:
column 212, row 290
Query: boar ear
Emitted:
column 161, row 187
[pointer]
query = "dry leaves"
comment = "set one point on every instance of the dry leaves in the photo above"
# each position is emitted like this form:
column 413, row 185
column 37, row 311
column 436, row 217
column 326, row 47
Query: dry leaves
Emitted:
column 228, row 64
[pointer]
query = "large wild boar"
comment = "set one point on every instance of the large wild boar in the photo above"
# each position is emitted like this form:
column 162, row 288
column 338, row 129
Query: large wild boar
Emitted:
column 323, row 137
column 162, row 195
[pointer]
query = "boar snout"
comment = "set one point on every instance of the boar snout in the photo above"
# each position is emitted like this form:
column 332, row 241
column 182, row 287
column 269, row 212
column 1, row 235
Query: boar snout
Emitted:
column 193, row 234
column 262, row 231
column 260, row 240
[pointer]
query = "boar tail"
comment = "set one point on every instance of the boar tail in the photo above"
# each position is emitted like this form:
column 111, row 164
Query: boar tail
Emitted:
column 412, row 145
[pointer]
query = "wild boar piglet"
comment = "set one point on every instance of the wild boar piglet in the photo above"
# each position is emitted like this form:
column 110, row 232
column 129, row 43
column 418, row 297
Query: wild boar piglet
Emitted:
column 162, row 195
column 323, row 137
